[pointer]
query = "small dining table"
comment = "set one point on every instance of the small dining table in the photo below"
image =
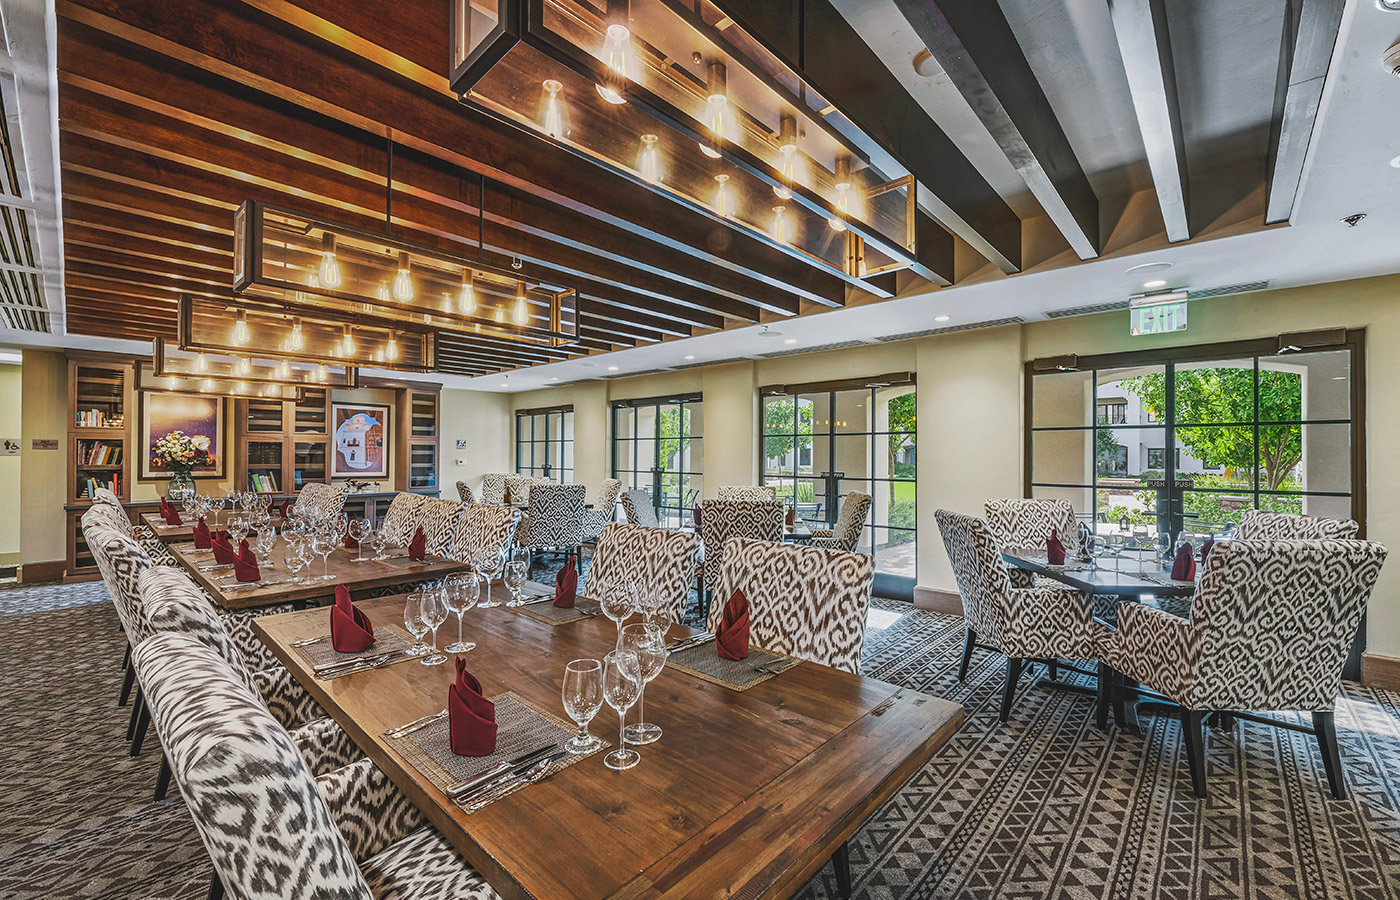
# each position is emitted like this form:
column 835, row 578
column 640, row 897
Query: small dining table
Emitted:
column 745, row 795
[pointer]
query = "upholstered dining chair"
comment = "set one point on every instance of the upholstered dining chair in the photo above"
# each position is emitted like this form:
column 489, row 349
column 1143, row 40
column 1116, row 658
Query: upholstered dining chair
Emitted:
column 1035, row 623
column 493, row 488
column 109, row 505
column 316, row 500
column 1258, row 524
column 747, row 492
column 603, row 509
column 519, row 488
column 639, row 508
column 656, row 558
column 555, row 519
column 720, row 520
column 404, row 517
column 439, row 518
column 483, row 526
column 850, row 523
column 348, row 833
column 1022, row 527
column 1271, row 624
column 465, row 492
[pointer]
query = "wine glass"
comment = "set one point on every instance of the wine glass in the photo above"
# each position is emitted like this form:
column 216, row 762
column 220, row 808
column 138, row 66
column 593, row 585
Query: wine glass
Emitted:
column 622, row 684
column 379, row 540
column 413, row 621
column 656, row 609
column 649, row 643
column 298, row 558
column 434, row 613
column 238, row 527
column 583, row 697
column 1165, row 546
column 214, row 505
column 488, row 564
column 462, row 593
column 322, row 542
column 515, row 580
column 617, row 605
column 267, row 539
column 358, row 530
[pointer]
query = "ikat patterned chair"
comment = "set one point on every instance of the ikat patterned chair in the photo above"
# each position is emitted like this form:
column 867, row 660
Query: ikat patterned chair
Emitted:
column 603, row 509
column 720, row 520
column 1023, row 526
column 440, row 519
column 519, row 488
column 656, row 557
column 1271, row 624
column 849, row 525
column 493, row 488
column 404, row 517
column 555, row 520
column 639, row 508
column 318, row 501
column 803, row 601
column 483, row 525
column 748, row 492
column 465, row 493
column 108, row 505
column 1259, row 525
column 273, row 830
column 1036, row 623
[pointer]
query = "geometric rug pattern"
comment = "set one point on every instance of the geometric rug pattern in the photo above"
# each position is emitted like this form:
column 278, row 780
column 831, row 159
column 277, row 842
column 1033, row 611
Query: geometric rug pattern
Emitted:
column 1043, row 806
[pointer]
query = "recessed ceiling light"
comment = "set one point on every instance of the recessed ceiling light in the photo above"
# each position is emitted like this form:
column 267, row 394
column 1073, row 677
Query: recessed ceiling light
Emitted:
column 1395, row 162
column 1144, row 268
column 554, row 378
column 1155, row 283
column 767, row 331
column 790, row 341
column 940, row 318
column 505, row 384
column 690, row 356
column 612, row 368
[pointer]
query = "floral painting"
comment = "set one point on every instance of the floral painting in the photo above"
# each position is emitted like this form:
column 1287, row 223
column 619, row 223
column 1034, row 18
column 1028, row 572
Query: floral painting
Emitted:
column 195, row 417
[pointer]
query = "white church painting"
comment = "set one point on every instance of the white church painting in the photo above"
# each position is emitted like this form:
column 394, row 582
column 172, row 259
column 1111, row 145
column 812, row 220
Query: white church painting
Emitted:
column 359, row 440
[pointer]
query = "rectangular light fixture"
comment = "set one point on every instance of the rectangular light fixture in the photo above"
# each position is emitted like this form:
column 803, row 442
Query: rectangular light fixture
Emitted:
column 212, row 385
column 676, row 95
column 305, row 262
column 168, row 361
column 256, row 330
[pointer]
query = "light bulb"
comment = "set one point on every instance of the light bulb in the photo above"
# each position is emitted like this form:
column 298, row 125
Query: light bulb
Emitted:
column 716, row 110
column 650, row 161
column 329, row 273
column 284, row 370
column 347, row 343
column 617, row 47
column 383, row 291
column 201, row 362
column 553, row 109
column 787, row 156
column 245, row 366
column 297, row 340
column 240, row 329
column 206, row 385
column 780, row 226
column 379, row 355
column 501, row 314
column 321, row 373
column 240, row 388
column 391, row 349
column 403, row 283
column 843, row 194
column 724, row 205
column 522, row 307
column 467, row 300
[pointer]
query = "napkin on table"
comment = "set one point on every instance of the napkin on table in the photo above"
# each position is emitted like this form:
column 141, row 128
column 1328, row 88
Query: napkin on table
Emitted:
column 1054, row 550
column 1184, row 566
column 351, row 631
column 202, row 540
column 223, row 550
column 566, row 585
column 245, row 565
column 418, row 546
column 471, row 718
column 696, row 513
column 732, row 635
column 1206, row 547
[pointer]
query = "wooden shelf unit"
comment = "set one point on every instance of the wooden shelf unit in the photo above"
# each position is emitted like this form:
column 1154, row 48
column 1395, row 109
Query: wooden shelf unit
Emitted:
column 100, row 415
column 416, row 436
column 285, row 443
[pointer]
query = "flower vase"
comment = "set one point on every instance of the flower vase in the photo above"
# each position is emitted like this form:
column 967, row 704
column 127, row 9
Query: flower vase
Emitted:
column 181, row 487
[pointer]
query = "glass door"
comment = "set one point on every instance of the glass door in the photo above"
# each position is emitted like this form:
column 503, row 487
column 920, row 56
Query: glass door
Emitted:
column 658, row 446
column 544, row 443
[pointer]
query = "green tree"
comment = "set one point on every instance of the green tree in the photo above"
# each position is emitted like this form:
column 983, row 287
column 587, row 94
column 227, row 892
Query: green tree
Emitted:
column 1227, row 395
column 673, row 422
column 779, row 435
column 903, row 430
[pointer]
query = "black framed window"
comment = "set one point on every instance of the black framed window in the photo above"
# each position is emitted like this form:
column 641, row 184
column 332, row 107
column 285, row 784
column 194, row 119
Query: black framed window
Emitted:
column 658, row 444
column 544, row 443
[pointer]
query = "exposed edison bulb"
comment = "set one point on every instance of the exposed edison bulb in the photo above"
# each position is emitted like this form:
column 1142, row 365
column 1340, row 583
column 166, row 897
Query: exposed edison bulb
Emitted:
column 241, row 336
column 347, row 343
column 379, row 355
column 321, row 373
column 716, row 110
column 240, row 388
column 467, row 298
column 724, row 204
column 244, row 366
column 617, row 49
column 391, row 349
column 780, row 223
column 284, row 370
column 843, row 195
column 501, row 314
column 329, row 273
column 383, row 291
column 296, row 340
column 521, row 315
column 787, row 156
column 403, row 282
column 650, row 160
column 553, row 109
column 201, row 363
column 206, row 385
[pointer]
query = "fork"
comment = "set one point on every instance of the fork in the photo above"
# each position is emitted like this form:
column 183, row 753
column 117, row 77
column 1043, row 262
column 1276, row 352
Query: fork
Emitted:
column 534, row 774
column 402, row 730
column 346, row 666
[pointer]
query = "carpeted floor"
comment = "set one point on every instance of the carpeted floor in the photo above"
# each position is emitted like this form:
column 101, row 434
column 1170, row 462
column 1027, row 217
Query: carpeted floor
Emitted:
column 1044, row 806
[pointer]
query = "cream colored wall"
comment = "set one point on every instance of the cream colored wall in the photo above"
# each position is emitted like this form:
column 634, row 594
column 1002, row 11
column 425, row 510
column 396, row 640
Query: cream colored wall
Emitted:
column 385, row 397
column 44, row 416
column 11, row 382
column 484, row 421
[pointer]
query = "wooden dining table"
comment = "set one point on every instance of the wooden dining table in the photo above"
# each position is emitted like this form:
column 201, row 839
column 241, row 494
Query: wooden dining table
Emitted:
column 745, row 795
column 358, row 577
column 169, row 534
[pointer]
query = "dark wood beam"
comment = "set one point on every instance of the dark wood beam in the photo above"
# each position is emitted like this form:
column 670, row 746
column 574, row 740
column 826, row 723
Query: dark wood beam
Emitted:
column 1146, row 48
column 1309, row 34
column 974, row 44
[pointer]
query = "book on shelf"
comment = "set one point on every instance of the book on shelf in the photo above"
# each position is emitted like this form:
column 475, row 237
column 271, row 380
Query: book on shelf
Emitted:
column 263, row 483
column 99, row 453
column 90, row 485
column 95, row 418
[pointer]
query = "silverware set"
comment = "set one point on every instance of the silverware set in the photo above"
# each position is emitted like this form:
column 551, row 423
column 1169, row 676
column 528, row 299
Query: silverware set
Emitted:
column 546, row 597
column 493, row 791
column 416, row 724
column 479, row 784
column 693, row 641
column 772, row 667
column 350, row 666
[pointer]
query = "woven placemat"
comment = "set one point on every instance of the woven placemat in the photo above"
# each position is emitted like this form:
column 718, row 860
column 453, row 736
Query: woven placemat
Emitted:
column 521, row 727
column 705, row 663
column 553, row 615
column 387, row 639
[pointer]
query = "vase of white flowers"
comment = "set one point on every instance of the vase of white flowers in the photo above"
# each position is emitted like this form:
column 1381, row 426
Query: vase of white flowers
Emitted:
column 181, row 454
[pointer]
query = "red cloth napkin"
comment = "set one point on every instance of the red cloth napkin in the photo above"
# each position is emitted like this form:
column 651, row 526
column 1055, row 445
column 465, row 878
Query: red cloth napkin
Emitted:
column 202, row 539
column 223, row 550
column 1208, row 546
column 732, row 636
column 1054, row 550
column 1184, row 566
column 418, row 546
column 471, row 718
column 287, row 508
column 245, row 565
column 168, row 513
column 696, row 513
column 174, row 517
column 351, row 630
column 566, row 585
column 351, row 543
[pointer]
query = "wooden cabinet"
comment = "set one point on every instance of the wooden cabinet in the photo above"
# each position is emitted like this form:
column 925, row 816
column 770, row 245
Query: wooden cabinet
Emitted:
column 284, row 443
column 416, row 438
column 99, row 425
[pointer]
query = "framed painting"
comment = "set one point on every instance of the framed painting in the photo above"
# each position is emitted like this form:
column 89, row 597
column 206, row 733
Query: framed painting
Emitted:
column 193, row 414
column 359, row 440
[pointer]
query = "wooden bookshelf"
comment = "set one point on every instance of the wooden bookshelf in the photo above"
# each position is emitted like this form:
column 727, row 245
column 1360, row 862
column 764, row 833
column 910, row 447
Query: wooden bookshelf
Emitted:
column 284, row 443
column 416, row 450
column 99, row 426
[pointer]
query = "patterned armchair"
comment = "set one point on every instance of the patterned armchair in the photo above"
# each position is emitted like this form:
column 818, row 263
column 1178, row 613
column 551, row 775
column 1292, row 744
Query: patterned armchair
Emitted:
column 317, row 501
column 720, row 520
column 440, row 519
column 849, row 525
column 748, row 492
column 493, row 488
column 483, row 525
column 1258, row 525
column 109, row 509
column 655, row 557
column 465, row 493
column 520, row 488
column 1023, row 526
column 1038, row 623
column 1271, row 624
column 348, row 834
column 555, row 520
column 602, row 512
column 639, row 508
column 803, row 601
column 404, row 517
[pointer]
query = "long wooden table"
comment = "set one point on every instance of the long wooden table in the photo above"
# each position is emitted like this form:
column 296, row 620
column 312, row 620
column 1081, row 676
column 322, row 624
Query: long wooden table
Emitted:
column 168, row 533
column 746, row 794
column 359, row 577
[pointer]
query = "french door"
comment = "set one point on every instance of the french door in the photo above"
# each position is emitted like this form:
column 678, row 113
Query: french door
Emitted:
column 657, row 445
column 544, row 443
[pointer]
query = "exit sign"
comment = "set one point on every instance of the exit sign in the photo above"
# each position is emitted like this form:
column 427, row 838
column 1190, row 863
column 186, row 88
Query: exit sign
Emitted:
column 1160, row 318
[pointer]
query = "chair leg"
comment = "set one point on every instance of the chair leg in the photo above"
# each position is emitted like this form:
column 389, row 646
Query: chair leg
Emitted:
column 143, row 721
column 1105, row 696
column 163, row 779
column 216, row 887
column 841, row 861
column 127, row 681
column 126, row 657
column 135, row 714
column 1013, row 673
column 1054, row 669
column 1192, row 722
column 1325, row 724
column 969, row 641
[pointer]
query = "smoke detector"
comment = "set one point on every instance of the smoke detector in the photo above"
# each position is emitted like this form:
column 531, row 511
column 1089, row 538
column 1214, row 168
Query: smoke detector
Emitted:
column 1391, row 60
column 766, row 331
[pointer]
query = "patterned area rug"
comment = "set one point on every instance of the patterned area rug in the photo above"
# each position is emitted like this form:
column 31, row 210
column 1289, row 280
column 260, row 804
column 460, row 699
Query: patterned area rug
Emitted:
column 1044, row 806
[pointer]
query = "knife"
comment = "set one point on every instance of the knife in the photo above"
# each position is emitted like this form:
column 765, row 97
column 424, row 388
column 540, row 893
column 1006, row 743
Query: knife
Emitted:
column 692, row 641
column 367, row 661
column 522, row 761
column 516, row 775
column 537, row 600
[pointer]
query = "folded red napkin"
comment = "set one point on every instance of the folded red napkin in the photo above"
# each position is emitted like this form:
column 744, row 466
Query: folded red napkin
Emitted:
column 202, row 539
column 732, row 636
column 245, row 564
column 351, row 630
column 1208, row 546
column 168, row 513
column 471, row 718
column 566, row 585
column 418, row 546
column 287, row 508
column 1054, row 550
column 351, row 543
column 1184, row 566
column 174, row 517
column 696, row 512
column 223, row 550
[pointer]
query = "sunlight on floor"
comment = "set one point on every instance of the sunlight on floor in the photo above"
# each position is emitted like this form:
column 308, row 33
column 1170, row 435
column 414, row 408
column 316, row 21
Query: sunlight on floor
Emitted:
column 882, row 618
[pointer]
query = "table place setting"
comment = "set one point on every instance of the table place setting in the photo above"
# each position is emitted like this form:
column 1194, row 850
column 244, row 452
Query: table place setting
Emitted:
column 731, row 662
column 352, row 645
column 566, row 605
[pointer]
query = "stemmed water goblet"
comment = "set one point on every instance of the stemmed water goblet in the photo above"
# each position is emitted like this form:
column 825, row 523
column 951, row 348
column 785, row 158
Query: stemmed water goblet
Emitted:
column 267, row 539
column 514, row 580
column 649, row 643
column 583, row 697
column 617, row 604
column 462, row 591
column 298, row 558
column 214, row 505
column 433, row 610
column 325, row 535
column 238, row 528
column 656, row 609
column 488, row 565
column 358, row 530
column 414, row 622
column 622, row 684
